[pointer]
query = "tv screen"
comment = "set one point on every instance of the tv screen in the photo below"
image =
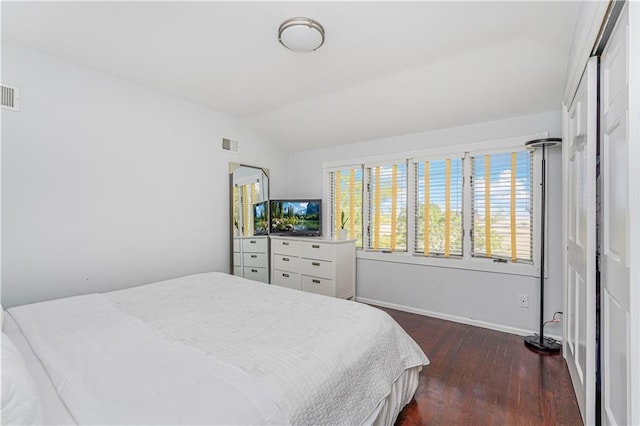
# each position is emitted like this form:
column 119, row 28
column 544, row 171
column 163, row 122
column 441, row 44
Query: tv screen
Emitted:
column 296, row 217
column 261, row 218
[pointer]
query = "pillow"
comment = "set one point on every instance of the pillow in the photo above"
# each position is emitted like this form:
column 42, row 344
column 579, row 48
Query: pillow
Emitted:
column 20, row 400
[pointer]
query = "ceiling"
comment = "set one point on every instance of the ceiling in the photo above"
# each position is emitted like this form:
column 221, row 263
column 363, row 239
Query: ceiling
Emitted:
column 386, row 68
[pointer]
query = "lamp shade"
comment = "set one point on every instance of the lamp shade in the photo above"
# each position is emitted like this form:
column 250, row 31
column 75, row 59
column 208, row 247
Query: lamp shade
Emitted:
column 301, row 35
column 543, row 143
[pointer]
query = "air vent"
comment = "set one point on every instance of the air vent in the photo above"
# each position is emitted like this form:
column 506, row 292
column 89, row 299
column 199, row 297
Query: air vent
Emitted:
column 10, row 97
column 229, row 145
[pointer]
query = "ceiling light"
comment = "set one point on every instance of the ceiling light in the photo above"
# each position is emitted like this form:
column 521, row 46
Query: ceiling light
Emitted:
column 301, row 35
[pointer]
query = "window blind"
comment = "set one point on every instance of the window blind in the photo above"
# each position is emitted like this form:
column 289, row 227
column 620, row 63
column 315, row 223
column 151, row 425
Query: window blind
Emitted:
column 502, row 200
column 387, row 198
column 438, row 207
column 345, row 190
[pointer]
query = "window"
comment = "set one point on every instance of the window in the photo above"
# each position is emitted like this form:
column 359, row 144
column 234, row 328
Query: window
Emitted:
column 438, row 207
column 387, row 207
column 503, row 206
column 470, row 207
column 346, row 202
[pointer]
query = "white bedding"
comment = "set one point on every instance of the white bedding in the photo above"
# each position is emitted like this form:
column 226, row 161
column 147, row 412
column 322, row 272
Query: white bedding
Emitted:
column 308, row 359
column 54, row 410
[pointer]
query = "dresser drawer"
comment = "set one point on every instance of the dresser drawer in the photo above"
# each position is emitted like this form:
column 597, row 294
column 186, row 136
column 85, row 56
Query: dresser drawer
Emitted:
column 317, row 268
column 236, row 244
column 255, row 259
column 237, row 259
column 318, row 285
column 286, row 279
column 286, row 247
column 286, row 263
column 254, row 245
column 316, row 250
column 257, row 274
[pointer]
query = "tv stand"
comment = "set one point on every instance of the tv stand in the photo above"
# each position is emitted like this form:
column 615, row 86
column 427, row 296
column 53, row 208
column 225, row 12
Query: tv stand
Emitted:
column 314, row 264
column 251, row 257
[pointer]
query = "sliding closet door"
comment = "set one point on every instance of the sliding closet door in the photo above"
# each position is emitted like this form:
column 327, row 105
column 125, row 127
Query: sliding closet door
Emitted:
column 616, row 326
column 580, row 193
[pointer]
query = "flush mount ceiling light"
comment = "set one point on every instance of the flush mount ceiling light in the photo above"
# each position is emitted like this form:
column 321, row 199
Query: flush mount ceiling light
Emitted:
column 301, row 35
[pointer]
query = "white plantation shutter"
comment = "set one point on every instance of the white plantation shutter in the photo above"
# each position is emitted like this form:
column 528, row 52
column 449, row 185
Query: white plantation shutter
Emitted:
column 471, row 203
column 387, row 202
column 502, row 206
column 345, row 192
column 438, row 207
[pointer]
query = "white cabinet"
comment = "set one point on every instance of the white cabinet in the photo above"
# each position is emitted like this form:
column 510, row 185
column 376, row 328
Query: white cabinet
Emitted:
column 315, row 265
column 237, row 257
column 251, row 257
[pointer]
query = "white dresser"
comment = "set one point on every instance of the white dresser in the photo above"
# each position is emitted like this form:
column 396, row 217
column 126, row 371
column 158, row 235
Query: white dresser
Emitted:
column 315, row 265
column 251, row 257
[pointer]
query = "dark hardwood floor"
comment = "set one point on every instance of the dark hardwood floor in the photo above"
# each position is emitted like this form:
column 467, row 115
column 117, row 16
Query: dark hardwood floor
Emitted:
column 485, row 377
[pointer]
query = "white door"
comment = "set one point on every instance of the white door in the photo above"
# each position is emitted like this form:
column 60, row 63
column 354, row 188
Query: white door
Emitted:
column 616, row 367
column 580, row 285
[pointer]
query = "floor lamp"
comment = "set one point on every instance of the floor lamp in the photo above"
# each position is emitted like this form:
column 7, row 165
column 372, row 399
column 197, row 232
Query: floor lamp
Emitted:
column 539, row 342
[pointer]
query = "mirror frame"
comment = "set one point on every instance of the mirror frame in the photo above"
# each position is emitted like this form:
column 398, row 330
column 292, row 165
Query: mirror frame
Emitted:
column 232, row 168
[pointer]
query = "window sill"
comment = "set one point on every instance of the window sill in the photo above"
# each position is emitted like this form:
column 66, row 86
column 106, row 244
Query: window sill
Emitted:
column 483, row 265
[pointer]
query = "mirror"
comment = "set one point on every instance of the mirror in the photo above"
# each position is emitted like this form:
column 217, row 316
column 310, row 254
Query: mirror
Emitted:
column 248, row 185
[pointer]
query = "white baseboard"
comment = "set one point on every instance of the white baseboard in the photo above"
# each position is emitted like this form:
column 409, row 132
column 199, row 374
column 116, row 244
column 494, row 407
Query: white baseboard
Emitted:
column 454, row 318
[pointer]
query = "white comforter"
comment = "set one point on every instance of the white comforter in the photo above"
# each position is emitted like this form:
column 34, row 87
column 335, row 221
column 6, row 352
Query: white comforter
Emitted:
column 214, row 348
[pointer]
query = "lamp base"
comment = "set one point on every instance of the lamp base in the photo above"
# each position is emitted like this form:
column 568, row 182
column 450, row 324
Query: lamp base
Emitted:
column 548, row 346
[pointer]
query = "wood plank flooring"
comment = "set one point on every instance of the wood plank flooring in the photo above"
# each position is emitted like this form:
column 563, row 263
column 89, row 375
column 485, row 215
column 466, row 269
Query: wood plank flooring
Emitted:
column 485, row 377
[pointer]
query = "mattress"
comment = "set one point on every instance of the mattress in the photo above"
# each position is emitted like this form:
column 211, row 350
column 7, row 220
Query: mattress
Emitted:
column 291, row 357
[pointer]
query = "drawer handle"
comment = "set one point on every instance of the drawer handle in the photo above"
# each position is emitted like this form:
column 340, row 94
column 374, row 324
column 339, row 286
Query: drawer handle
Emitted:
column 252, row 241
column 285, row 275
column 254, row 270
column 284, row 243
column 285, row 259
column 316, row 281
column 315, row 263
column 253, row 256
column 315, row 245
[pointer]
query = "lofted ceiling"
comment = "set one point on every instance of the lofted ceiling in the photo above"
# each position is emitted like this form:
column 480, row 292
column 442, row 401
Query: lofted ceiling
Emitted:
column 386, row 68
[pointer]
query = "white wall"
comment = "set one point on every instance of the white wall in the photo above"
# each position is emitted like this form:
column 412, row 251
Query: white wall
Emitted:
column 474, row 297
column 107, row 185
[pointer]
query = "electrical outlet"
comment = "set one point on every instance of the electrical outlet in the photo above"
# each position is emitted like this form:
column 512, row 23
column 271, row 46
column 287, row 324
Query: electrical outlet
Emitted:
column 523, row 301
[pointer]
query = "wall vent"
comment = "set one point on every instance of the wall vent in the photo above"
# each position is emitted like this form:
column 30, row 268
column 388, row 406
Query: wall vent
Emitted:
column 229, row 145
column 10, row 97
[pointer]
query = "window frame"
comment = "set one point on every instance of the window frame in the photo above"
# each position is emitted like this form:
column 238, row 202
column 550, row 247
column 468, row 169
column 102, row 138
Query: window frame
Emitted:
column 328, row 224
column 468, row 150
column 366, row 211
column 535, row 189
column 436, row 157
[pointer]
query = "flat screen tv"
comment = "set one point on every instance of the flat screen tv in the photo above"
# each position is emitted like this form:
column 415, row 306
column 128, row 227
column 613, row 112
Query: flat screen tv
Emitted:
column 261, row 218
column 296, row 217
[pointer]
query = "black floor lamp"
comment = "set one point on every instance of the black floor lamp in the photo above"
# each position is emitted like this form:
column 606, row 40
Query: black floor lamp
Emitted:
column 539, row 342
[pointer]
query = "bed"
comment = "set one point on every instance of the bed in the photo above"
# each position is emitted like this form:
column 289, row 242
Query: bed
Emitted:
column 207, row 349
